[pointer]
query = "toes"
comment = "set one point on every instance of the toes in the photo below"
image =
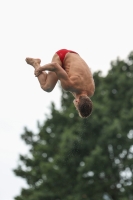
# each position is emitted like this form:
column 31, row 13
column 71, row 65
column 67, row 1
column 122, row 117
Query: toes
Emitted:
column 32, row 60
column 27, row 59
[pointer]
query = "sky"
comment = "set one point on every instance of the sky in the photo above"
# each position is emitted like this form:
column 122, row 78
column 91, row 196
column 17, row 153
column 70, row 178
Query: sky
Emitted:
column 100, row 31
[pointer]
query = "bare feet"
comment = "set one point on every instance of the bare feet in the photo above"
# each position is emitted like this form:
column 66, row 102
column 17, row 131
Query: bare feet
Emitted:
column 33, row 62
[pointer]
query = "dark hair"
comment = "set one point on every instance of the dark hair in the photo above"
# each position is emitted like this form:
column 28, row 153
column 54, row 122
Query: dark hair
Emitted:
column 84, row 106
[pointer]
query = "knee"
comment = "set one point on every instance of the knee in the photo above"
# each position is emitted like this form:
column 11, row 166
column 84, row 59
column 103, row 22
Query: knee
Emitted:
column 46, row 88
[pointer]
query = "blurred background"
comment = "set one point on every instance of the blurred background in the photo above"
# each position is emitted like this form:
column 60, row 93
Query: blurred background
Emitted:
column 98, row 150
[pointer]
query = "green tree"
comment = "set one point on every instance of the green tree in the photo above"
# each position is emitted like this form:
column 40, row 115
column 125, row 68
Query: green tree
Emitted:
column 72, row 158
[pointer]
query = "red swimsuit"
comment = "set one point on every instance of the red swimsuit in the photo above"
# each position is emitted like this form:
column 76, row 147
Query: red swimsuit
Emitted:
column 61, row 53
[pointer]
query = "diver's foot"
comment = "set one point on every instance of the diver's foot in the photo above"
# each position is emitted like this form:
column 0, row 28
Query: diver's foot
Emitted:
column 33, row 62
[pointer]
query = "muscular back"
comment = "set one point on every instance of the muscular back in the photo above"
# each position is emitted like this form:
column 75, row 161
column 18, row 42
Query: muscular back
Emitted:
column 78, row 71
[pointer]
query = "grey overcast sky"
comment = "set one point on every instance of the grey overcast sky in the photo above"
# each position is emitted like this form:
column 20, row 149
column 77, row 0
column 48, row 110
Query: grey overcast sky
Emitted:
column 99, row 31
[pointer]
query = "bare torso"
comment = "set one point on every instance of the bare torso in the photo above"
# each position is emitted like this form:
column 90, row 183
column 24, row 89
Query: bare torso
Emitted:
column 77, row 69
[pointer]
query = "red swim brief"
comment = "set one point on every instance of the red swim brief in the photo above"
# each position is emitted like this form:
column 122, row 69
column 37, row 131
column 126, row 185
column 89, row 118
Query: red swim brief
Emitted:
column 61, row 53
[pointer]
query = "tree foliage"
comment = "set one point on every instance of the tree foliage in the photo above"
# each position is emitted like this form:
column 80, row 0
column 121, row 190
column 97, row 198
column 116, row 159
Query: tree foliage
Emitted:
column 72, row 158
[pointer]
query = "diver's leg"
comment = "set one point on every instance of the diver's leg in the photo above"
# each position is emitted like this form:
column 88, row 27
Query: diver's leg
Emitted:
column 47, row 81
